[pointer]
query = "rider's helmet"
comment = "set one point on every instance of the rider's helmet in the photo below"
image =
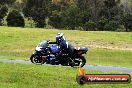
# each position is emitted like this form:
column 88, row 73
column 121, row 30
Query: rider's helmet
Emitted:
column 59, row 38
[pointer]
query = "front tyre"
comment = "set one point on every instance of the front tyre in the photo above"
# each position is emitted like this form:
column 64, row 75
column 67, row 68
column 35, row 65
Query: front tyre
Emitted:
column 36, row 59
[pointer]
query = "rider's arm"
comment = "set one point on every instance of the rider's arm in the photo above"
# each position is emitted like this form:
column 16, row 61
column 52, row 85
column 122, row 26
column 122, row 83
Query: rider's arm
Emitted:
column 52, row 43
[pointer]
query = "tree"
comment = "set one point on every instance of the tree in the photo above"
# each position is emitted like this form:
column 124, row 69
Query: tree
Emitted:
column 90, row 26
column 93, row 6
column 56, row 8
column 3, row 13
column 55, row 20
column 127, row 22
column 112, row 8
column 15, row 19
column 127, row 4
column 111, row 26
column 4, row 8
column 9, row 2
column 38, row 10
column 71, row 17
column 101, row 23
column 111, row 12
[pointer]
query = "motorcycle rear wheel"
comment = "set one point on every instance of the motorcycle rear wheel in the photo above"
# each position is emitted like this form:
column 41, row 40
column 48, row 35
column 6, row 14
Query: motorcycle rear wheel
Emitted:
column 81, row 62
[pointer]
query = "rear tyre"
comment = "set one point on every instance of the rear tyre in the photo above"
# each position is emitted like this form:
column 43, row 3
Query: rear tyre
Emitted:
column 82, row 61
column 36, row 59
column 78, row 61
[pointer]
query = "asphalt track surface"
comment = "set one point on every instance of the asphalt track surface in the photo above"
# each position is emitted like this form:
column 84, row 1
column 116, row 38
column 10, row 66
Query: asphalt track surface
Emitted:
column 87, row 67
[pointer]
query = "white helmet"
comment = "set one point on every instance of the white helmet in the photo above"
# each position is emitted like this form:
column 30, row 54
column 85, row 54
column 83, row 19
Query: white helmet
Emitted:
column 59, row 37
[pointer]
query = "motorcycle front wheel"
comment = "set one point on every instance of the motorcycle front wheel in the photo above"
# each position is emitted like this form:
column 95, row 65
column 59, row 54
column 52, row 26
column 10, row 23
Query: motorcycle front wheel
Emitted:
column 36, row 59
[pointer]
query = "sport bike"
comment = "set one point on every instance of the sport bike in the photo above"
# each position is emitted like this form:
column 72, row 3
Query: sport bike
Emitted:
column 55, row 53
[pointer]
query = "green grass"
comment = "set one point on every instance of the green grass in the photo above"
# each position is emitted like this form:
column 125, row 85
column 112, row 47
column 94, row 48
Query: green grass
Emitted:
column 36, row 76
column 105, row 48
column 109, row 57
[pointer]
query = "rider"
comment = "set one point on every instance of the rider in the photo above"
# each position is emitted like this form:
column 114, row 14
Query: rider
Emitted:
column 65, row 48
column 59, row 38
column 64, row 45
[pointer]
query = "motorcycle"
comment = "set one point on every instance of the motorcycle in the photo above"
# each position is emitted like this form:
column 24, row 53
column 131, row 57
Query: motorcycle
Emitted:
column 54, row 54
